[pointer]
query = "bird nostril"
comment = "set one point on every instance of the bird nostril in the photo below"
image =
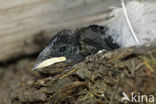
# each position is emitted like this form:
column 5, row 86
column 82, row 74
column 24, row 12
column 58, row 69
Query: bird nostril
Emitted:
column 62, row 49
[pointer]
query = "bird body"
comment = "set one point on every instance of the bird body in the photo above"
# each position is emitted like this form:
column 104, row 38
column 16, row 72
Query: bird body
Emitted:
column 73, row 46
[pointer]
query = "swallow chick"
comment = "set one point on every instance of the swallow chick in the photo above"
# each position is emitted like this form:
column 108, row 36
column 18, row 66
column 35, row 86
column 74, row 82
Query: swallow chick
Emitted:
column 73, row 46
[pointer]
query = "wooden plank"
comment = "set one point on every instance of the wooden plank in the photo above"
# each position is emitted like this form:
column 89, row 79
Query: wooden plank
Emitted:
column 21, row 20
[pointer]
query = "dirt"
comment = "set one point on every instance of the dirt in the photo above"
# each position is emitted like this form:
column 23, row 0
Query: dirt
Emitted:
column 100, row 79
column 12, row 75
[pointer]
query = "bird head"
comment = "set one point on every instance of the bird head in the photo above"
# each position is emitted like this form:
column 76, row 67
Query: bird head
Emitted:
column 63, row 47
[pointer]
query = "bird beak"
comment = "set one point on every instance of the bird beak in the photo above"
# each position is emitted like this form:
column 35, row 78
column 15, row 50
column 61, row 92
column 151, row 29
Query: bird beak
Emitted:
column 49, row 62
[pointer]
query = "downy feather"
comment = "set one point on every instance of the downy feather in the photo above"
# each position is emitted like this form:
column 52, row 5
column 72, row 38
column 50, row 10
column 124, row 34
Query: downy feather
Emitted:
column 142, row 16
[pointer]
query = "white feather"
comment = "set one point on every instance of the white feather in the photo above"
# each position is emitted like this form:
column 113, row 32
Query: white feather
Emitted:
column 142, row 16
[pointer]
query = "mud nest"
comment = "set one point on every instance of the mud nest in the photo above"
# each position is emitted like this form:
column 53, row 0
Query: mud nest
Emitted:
column 100, row 79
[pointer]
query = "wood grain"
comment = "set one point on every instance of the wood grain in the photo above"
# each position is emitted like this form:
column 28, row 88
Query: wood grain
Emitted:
column 21, row 20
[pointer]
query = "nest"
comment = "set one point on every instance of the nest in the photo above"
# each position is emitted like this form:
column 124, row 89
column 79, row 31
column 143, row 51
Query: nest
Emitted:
column 100, row 79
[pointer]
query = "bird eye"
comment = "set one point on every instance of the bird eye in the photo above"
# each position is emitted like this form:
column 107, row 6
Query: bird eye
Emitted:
column 62, row 49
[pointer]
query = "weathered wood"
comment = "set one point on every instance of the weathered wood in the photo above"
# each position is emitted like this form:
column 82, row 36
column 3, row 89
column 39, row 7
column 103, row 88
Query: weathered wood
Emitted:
column 21, row 20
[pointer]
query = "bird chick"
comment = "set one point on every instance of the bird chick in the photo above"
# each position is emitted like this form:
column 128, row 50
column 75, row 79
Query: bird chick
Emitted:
column 72, row 46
